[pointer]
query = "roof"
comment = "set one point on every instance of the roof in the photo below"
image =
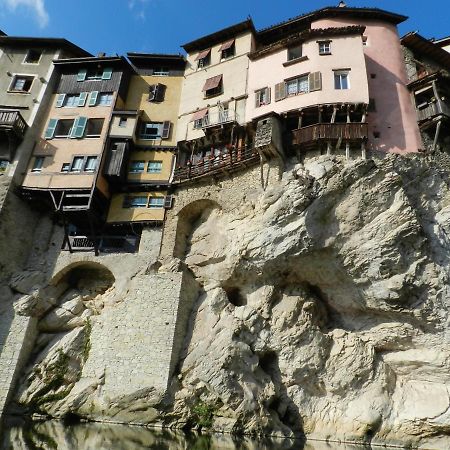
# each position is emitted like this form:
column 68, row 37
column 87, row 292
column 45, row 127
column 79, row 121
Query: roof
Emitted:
column 150, row 59
column 23, row 41
column 442, row 42
column 220, row 36
column 289, row 26
column 110, row 60
column 419, row 45
column 305, row 35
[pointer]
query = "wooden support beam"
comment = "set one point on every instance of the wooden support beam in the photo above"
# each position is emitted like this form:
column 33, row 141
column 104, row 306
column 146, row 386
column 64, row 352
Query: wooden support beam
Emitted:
column 436, row 135
column 347, row 150
column 363, row 150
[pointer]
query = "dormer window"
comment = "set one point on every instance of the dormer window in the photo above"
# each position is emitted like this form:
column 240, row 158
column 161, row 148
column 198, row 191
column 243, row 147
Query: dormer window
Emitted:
column 227, row 49
column 294, row 52
column 213, row 86
column 203, row 59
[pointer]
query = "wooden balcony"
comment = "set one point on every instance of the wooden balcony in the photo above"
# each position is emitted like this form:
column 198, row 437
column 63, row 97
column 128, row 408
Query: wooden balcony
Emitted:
column 433, row 109
column 224, row 163
column 12, row 121
column 347, row 132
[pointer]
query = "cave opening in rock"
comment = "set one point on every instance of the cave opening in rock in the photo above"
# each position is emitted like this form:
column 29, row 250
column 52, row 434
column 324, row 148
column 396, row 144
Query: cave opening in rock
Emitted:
column 235, row 296
column 268, row 362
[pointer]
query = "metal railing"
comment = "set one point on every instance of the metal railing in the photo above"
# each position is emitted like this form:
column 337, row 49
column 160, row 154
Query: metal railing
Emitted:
column 106, row 244
column 215, row 118
column 330, row 131
column 13, row 120
column 228, row 160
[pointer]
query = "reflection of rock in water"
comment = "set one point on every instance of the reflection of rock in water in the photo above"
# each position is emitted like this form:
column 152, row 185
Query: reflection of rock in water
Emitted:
column 55, row 435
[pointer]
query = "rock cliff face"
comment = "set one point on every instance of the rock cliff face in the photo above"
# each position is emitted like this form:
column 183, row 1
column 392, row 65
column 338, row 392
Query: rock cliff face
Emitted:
column 324, row 308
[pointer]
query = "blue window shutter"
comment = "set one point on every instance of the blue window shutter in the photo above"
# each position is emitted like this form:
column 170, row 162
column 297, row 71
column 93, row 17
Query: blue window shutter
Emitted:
column 166, row 130
column 93, row 98
column 82, row 98
column 60, row 100
column 107, row 73
column 51, row 127
column 79, row 126
column 81, row 75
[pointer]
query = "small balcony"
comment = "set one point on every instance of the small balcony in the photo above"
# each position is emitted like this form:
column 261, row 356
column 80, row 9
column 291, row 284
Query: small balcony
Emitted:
column 217, row 119
column 11, row 120
column 106, row 244
column 346, row 132
column 223, row 162
column 433, row 109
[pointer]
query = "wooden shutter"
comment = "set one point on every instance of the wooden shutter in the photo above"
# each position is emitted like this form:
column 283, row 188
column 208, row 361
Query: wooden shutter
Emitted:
column 93, row 98
column 315, row 81
column 82, row 98
column 280, row 91
column 268, row 95
column 81, row 75
column 107, row 73
column 60, row 100
column 51, row 127
column 257, row 104
column 160, row 92
column 78, row 127
column 168, row 201
column 152, row 92
column 166, row 130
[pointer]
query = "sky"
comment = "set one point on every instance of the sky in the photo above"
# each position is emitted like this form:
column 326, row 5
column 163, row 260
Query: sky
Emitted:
column 162, row 26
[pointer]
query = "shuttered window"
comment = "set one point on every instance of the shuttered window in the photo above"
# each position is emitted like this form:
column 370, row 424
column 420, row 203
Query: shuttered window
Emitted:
column 168, row 201
column 156, row 92
column 81, row 75
column 51, row 127
column 166, row 130
column 82, row 98
column 60, row 100
column 156, row 202
column 78, row 127
column 262, row 97
column 93, row 98
column 280, row 91
column 315, row 81
column 107, row 73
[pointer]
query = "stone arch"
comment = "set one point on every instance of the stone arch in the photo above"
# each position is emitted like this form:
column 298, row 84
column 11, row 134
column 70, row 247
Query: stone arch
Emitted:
column 188, row 218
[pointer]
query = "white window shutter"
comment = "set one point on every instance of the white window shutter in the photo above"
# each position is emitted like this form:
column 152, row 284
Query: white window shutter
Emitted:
column 82, row 98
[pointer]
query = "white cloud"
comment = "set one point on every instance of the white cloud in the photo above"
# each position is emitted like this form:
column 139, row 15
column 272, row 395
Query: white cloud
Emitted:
column 37, row 7
column 138, row 7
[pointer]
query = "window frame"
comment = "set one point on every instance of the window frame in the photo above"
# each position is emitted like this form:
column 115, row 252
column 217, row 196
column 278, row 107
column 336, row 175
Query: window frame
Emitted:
column 327, row 50
column 148, row 137
column 128, row 201
column 63, row 136
column 27, row 77
column 204, row 62
column 298, row 79
column 41, row 52
column 339, row 73
column 102, row 95
column 88, row 124
column 293, row 47
column 159, row 205
column 37, row 168
column 228, row 52
column 159, row 169
column 139, row 161
column 161, row 72
column 265, row 91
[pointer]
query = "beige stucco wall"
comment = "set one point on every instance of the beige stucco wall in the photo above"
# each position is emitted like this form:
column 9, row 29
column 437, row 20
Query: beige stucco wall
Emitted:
column 127, row 131
column 61, row 150
column 346, row 53
column 137, row 99
column 234, row 71
column 117, row 213
column 166, row 157
column 395, row 117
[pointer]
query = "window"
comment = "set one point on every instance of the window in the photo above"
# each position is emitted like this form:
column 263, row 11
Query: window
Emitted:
column 65, row 167
column 105, row 99
column 94, row 74
column 324, row 47
column 71, row 101
column 156, row 93
column 156, row 202
column 341, row 80
column 262, row 97
column 298, row 85
column 161, row 71
column 91, row 164
column 155, row 130
column 21, row 83
column 213, row 86
column 365, row 41
column 136, row 166
column 38, row 163
column 154, row 167
column 63, row 128
column 3, row 165
column 135, row 201
column 94, row 127
column 32, row 57
column 200, row 117
column 294, row 52
column 123, row 122
column 77, row 164
column 203, row 59
column 227, row 49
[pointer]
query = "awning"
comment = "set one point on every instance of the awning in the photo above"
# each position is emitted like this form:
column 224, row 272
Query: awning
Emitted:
column 212, row 83
column 203, row 54
column 200, row 114
column 226, row 45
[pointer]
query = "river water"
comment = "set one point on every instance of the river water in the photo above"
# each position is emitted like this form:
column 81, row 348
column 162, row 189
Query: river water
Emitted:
column 51, row 435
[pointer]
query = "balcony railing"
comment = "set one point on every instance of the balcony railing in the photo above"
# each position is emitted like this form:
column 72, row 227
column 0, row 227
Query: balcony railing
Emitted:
column 433, row 109
column 330, row 132
column 218, row 118
column 106, row 244
column 229, row 160
column 13, row 120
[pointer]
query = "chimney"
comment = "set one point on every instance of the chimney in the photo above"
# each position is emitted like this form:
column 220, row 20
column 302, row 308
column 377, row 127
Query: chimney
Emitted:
column 101, row 55
column 342, row 4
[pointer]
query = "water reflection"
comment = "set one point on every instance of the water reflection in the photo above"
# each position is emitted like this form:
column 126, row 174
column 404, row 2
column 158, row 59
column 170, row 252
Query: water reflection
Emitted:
column 55, row 435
